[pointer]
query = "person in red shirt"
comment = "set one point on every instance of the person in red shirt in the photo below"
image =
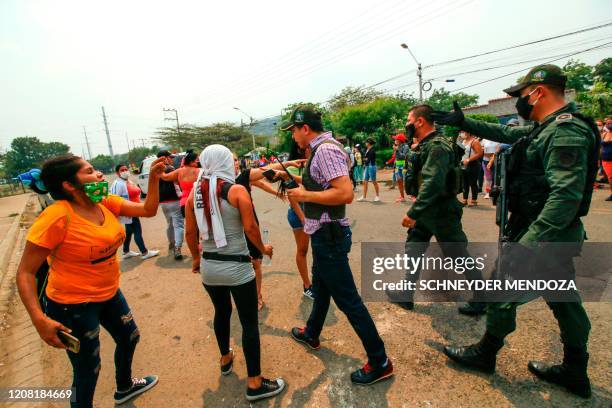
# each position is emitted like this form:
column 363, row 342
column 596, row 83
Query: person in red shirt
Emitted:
column 125, row 189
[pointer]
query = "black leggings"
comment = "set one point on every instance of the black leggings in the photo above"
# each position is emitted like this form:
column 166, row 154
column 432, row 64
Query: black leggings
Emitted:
column 470, row 180
column 245, row 298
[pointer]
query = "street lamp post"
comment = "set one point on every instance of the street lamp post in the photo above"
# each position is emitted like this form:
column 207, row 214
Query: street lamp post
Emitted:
column 251, row 122
column 419, row 71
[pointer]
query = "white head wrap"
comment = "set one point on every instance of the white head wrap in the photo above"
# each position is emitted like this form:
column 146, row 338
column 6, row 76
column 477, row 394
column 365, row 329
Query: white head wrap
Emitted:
column 217, row 163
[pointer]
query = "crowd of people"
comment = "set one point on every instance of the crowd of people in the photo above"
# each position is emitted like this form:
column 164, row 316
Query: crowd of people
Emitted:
column 207, row 204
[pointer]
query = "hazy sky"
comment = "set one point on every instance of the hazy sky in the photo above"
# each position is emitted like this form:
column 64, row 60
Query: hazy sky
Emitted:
column 60, row 61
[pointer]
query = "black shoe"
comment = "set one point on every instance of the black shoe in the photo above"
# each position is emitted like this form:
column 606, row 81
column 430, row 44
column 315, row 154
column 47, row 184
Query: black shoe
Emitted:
column 402, row 299
column 472, row 357
column 572, row 379
column 139, row 385
column 308, row 292
column 226, row 369
column 609, row 198
column 268, row 388
column 177, row 253
column 405, row 305
column 368, row 375
column 299, row 334
column 473, row 309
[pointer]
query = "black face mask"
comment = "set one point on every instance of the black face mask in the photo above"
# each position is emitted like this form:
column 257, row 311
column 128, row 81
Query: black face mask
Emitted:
column 523, row 107
column 410, row 131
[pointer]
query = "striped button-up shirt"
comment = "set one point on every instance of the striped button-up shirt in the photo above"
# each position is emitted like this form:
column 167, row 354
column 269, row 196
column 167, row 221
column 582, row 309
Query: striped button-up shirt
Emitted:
column 328, row 163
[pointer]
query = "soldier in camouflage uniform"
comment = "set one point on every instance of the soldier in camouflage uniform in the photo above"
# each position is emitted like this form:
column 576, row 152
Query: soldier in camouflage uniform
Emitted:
column 551, row 173
column 436, row 211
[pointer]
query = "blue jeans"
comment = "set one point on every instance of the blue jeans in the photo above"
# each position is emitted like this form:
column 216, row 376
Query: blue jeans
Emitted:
column 293, row 219
column 370, row 173
column 134, row 229
column 176, row 223
column 84, row 319
column 332, row 278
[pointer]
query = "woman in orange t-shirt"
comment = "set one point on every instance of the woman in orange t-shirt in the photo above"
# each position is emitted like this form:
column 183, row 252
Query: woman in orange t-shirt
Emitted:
column 79, row 236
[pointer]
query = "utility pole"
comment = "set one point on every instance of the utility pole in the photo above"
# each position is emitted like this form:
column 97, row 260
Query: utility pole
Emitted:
column 87, row 142
column 251, row 123
column 175, row 118
column 110, row 145
column 420, row 75
column 419, row 71
column 128, row 144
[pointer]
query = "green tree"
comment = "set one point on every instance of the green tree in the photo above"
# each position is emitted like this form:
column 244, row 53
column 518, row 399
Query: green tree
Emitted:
column 350, row 96
column 597, row 101
column 198, row 137
column 103, row 163
column 603, row 71
column 441, row 99
column 29, row 152
column 378, row 119
column 579, row 75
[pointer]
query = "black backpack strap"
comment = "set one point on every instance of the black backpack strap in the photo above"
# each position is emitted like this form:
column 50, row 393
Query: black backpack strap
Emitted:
column 225, row 188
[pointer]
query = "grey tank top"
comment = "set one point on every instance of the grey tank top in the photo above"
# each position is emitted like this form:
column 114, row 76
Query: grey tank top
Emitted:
column 228, row 273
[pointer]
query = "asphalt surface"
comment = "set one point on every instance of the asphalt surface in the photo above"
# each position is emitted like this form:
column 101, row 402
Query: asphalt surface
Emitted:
column 175, row 315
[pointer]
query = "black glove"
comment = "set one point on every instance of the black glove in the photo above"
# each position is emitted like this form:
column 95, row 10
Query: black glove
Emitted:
column 454, row 118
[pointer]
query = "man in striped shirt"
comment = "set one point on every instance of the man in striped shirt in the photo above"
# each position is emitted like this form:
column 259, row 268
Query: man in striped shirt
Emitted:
column 326, row 189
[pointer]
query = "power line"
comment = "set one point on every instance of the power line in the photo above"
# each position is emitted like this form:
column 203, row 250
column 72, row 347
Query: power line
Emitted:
column 299, row 74
column 280, row 64
column 516, row 72
column 559, row 56
column 521, row 45
column 555, row 58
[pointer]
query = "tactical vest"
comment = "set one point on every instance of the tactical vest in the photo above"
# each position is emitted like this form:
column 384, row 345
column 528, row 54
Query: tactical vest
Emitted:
column 453, row 182
column 315, row 210
column 529, row 191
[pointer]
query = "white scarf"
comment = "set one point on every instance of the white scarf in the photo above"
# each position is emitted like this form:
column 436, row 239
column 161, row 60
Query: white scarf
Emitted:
column 217, row 163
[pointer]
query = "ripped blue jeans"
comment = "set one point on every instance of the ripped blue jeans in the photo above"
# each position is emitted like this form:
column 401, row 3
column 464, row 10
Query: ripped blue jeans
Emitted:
column 85, row 319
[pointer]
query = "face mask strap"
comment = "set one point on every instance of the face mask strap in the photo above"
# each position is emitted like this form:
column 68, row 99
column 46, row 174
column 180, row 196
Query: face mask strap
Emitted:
column 531, row 93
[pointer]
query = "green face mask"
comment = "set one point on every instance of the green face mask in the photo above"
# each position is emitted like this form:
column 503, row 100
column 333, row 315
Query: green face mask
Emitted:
column 96, row 191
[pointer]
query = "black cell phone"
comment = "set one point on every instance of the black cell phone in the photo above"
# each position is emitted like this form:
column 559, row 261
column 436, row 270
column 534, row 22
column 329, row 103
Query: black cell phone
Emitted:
column 269, row 174
column 72, row 343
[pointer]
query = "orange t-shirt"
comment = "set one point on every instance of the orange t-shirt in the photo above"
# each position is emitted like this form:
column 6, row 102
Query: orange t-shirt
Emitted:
column 84, row 268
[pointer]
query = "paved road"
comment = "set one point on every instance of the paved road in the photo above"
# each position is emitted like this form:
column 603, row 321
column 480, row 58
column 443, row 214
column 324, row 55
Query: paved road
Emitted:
column 175, row 318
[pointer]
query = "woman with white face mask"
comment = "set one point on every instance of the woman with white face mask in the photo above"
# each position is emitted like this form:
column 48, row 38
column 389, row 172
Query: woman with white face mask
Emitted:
column 124, row 188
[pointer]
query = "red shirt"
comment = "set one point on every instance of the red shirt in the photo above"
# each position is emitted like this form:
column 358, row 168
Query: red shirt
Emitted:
column 133, row 192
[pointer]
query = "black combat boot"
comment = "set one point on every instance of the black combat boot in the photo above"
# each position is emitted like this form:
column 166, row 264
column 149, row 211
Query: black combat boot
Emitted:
column 480, row 356
column 571, row 374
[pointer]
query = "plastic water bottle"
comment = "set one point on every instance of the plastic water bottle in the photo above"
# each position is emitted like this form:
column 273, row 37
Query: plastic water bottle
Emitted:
column 265, row 237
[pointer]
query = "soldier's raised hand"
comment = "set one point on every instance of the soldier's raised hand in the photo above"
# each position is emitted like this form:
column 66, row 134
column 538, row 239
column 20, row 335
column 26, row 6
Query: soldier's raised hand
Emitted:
column 453, row 118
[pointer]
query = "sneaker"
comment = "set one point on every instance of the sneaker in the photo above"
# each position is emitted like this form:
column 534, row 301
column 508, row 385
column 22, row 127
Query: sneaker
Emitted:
column 376, row 199
column 139, row 385
column 299, row 334
column 362, row 198
column 309, row 293
column 368, row 375
column 226, row 369
column 609, row 198
column 177, row 253
column 129, row 254
column 268, row 388
column 486, row 196
column 150, row 254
